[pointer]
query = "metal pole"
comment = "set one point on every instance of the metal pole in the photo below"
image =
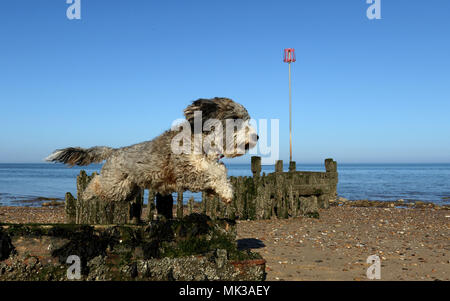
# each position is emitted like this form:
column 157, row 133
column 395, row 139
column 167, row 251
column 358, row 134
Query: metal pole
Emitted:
column 290, row 115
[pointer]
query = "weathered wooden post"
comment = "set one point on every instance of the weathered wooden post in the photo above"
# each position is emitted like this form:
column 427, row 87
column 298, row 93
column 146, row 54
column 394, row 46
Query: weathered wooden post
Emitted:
column 332, row 176
column 239, row 196
column 292, row 166
column 279, row 166
column 211, row 205
column 253, row 201
column 292, row 204
column 191, row 205
column 81, row 211
column 97, row 211
column 136, row 207
column 214, row 207
column 164, row 205
column 151, row 204
column 278, row 191
column 70, row 208
column 256, row 166
column 284, row 198
column 204, row 203
column 180, row 204
column 268, row 201
column 330, row 165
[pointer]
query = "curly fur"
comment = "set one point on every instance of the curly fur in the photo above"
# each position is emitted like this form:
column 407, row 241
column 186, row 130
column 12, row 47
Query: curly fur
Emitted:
column 153, row 165
column 80, row 156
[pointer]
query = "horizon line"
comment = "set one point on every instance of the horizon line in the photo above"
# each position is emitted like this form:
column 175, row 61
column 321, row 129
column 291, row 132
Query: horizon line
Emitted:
column 284, row 162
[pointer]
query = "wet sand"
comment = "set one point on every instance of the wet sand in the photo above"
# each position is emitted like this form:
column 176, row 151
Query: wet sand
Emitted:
column 413, row 244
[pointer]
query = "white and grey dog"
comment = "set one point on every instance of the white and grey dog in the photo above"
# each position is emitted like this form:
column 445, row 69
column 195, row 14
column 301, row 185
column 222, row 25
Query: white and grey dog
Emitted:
column 175, row 161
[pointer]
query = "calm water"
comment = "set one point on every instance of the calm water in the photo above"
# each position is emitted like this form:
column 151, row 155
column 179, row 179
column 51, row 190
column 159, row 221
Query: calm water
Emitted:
column 22, row 183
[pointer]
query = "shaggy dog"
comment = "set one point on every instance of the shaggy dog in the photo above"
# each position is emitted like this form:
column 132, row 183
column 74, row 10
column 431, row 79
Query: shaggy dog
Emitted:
column 175, row 161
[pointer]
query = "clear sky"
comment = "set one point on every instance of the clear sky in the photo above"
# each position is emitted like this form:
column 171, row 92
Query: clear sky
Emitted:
column 363, row 90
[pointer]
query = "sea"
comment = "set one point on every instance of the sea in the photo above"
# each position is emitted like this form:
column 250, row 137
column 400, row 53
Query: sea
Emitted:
column 30, row 184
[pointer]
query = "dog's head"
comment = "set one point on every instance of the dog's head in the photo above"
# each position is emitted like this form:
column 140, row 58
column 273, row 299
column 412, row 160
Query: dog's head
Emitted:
column 224, row 124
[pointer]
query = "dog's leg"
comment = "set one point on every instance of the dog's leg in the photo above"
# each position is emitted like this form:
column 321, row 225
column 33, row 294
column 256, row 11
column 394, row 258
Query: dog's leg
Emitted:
column 217, row 174
column 210, row 175
column 110, row 188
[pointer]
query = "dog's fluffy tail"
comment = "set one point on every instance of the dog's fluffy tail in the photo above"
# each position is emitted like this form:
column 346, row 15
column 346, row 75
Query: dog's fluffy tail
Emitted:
column 80, row 156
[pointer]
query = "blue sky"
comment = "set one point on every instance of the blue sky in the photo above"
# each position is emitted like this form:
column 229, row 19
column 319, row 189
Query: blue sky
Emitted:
column 363, row 90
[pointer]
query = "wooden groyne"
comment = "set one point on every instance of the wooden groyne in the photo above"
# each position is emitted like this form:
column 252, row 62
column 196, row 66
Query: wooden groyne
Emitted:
column 281, row 194
column 99, row 212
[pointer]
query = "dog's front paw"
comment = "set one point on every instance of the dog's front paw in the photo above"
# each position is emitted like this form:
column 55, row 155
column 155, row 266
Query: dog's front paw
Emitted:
column 227, row 195
column 227, row 201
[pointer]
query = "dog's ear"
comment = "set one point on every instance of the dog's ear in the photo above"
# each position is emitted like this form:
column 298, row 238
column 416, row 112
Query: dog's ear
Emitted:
column 207, row 106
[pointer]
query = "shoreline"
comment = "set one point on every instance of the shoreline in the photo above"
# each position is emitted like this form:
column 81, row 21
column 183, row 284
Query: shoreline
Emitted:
column 39, row 202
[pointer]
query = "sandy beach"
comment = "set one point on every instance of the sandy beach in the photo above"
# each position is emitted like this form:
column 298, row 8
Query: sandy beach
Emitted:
column 413, row 244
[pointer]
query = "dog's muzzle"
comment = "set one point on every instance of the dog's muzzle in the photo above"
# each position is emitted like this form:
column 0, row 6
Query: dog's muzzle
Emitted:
column 249, row 145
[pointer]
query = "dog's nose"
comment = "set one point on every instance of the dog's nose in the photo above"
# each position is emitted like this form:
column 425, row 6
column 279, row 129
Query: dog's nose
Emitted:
column 257, row 137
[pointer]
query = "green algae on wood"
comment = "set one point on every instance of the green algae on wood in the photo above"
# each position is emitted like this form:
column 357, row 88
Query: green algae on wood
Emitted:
column 130, row 252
